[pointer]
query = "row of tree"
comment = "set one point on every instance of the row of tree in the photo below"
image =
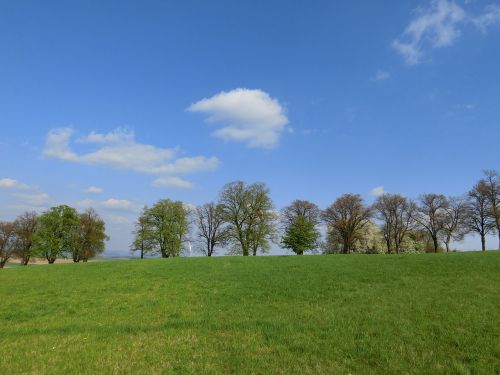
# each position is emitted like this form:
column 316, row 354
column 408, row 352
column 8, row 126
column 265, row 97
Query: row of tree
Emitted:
column 244, row 222
column 58, row 232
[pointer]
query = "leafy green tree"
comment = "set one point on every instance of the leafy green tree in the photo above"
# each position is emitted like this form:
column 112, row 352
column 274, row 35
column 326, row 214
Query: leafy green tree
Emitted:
column 143, row 234
column 169, row 225
column 25, row 227
column 248, row 211
column 91, row 236
column 58, row 233
column 7, row 242
column 300, row 236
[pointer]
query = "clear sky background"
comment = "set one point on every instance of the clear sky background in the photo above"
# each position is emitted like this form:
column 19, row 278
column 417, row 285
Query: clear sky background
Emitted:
column 116, row 104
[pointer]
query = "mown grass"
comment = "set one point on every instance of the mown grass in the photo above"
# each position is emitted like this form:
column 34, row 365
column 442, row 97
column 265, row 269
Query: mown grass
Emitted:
column 359, row 314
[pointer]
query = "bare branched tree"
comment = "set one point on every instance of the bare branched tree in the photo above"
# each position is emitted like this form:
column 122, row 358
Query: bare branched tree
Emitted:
column 7, row 242
column 430, row 215
column 212, row 231
column 480, row 220
column 492, row 182
column 455, row 224
column 397, row 216
column 346, row 218
column 25, row 227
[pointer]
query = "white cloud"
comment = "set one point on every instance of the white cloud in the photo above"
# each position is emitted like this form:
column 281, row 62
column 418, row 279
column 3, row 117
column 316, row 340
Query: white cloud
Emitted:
column 377, row 191
column 172, row 182
column 119, row 149
column 381, row 76
column 250, row 116
column 12, row 184
column 34, row 199
column 93, row 190
column 118, row 204
column 437, row 26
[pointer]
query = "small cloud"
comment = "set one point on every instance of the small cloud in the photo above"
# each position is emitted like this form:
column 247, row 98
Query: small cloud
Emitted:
column 93, row 190
column 381, row 76
column 307, row 131
column 35, row 199
column 84, row 203
column 10, row 183
column 118, row 204
column 172, row 182
column 250, row 116
column 377, row 191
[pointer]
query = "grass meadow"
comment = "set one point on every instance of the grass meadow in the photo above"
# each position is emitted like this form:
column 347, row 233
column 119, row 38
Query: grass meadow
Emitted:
column 339, row 314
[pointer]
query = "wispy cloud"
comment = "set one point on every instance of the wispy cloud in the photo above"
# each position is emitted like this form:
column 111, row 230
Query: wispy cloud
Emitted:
column 172, row 182
column 250, row 116
column 377, row 191
column 381, row 76
column 437, row 26
column 93, row 190
column 10, row 183
column 34, row 199
column 118, row 204
column 119, row 149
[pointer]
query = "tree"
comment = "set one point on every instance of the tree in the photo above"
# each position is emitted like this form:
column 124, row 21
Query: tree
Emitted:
column 430, row 215
column 143, row 234
column 396, row 214
column 212, row 231
column 25, row 227
column 300, row 235
column 302, row 208
column 346, row 218
column 248, row 213
column 300, row 221
column 91, row 236
column 169, row 227
column 479, row 211
column 57, row 234
column 492, row 183
column 7, row 242
column 455, row 225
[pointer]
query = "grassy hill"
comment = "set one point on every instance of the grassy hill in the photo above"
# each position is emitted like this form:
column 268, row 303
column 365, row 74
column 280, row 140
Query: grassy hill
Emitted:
column 359, row 314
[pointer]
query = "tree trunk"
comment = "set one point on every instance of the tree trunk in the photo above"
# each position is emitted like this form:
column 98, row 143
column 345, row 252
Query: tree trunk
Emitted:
column 25, row 261
column 483, row 242
column 51, row 261
column 436, row 244
column 447, row 244
column 2, row 263
column 142, row 253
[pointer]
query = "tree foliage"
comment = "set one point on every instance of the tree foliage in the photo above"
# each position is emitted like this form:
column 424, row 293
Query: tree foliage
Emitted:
column 57, row 234
column 300, row 221
column 248, row 213
column 168, row 227
column 91, row 236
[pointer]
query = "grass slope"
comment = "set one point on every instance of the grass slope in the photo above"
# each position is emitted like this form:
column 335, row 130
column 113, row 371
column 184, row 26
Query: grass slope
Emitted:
column 359, row 314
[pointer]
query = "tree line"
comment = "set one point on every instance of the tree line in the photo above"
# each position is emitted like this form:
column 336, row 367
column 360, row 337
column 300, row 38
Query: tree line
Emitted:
column 243, row 221
column 59, row 232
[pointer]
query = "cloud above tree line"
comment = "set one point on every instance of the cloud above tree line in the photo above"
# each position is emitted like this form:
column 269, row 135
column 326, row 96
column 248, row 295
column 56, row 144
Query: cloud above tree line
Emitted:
column 120, row 150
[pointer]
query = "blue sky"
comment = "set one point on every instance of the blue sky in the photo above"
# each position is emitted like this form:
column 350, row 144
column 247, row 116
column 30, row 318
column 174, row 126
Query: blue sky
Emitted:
column 116, row 104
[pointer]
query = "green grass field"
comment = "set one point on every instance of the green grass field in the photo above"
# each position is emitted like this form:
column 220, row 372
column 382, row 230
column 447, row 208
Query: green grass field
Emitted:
column 358, row 314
